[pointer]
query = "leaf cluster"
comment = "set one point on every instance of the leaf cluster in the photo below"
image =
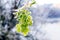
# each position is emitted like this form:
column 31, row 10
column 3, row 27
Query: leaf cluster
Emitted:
column 25, row 20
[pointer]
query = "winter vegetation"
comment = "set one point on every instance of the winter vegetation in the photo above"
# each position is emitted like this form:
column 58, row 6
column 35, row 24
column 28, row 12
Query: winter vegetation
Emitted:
column 45, row 25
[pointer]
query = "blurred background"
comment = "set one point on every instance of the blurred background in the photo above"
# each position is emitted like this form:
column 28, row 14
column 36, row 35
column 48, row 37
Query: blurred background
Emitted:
column 46, row 20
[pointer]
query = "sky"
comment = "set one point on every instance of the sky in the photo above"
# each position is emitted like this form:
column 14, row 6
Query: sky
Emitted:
column 41, row 2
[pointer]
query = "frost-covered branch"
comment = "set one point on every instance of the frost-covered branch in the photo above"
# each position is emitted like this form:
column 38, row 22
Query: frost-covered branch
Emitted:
column 27, row 5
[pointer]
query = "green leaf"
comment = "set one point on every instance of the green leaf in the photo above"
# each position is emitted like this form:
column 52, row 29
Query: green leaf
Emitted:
column 24, row 21
column 25, row 31
column 33, row 2
column 18, row 28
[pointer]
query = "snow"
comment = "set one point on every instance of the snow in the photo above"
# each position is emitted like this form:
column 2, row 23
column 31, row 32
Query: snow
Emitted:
column 53, row 30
